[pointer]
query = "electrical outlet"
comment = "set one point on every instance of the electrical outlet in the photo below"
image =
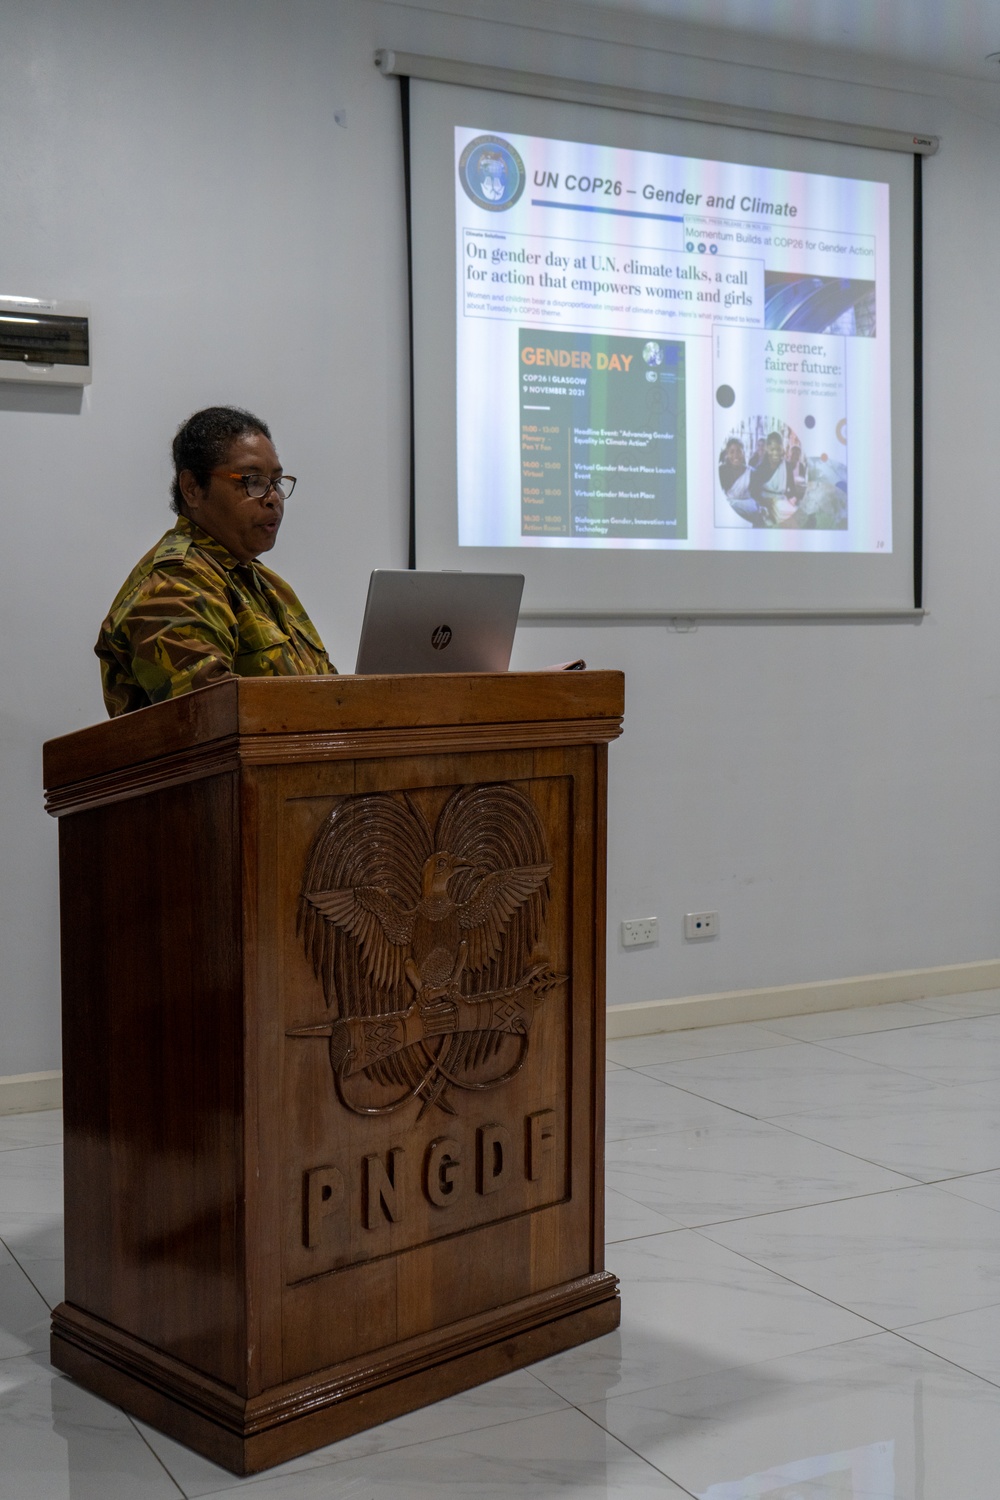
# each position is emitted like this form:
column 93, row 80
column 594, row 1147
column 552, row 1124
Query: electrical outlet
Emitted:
column 640, row 930
column 701, row 924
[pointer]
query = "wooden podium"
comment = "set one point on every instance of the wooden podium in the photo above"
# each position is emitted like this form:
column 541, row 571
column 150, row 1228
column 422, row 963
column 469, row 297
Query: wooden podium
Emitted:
column 333, row 1020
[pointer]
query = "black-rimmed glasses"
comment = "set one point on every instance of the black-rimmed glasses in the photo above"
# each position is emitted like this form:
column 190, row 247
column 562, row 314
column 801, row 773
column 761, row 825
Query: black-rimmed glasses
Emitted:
column 257, row 486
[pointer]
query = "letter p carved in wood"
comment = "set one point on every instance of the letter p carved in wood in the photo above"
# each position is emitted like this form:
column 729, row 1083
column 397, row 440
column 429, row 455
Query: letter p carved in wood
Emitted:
column 324, row 1197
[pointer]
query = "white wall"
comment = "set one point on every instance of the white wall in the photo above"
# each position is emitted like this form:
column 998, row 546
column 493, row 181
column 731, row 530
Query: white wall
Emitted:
column 830, row 789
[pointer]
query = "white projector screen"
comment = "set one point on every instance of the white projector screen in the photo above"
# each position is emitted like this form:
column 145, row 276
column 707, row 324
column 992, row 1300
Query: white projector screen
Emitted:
column 659, row 365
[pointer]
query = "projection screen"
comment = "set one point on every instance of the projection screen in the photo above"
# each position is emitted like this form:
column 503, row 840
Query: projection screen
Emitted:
column 660, row 366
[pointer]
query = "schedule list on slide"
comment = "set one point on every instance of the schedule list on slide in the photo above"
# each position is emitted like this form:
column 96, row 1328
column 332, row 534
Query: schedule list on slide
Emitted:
column 602, row 436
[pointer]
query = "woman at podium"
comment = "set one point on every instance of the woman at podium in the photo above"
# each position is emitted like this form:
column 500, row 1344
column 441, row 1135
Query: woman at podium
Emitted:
column 199, row 606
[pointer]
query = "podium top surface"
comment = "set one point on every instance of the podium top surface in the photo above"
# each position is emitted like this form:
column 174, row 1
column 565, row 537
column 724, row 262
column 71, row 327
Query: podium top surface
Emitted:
column 333, row 709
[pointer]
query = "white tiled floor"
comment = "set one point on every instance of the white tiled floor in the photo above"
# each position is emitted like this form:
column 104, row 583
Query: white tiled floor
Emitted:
column 805, row 1216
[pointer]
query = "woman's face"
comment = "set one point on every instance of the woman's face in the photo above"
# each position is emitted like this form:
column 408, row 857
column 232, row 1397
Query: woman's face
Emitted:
column 775, row 449
column 734, row 455
column 245, row 527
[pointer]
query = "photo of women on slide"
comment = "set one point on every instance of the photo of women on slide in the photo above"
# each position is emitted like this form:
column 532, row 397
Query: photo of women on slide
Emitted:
column 734, row 476
column 773, row 484
column 777, row 487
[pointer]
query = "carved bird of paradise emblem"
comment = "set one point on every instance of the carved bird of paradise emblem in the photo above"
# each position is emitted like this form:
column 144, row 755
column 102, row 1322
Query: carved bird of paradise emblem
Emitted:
column 430, row 946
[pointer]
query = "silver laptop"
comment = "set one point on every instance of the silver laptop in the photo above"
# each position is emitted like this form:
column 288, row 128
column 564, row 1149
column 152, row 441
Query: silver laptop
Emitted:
column 439, row 622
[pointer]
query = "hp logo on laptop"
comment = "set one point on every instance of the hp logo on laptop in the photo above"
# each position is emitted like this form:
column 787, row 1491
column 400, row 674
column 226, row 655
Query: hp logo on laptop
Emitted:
column 441, row 637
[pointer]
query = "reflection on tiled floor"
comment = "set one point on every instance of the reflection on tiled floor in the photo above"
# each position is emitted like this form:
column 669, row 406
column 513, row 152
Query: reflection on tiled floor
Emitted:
column 805, row 1217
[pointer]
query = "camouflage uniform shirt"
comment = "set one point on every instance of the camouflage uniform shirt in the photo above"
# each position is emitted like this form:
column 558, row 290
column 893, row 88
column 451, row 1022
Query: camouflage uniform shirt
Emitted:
column 190, row 614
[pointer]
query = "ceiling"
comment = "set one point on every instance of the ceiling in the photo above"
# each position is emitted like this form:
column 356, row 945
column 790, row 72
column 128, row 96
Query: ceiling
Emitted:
column 951, row 36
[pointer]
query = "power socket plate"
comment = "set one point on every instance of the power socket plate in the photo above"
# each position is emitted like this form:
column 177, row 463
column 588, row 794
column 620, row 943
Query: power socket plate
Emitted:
column 640, row 930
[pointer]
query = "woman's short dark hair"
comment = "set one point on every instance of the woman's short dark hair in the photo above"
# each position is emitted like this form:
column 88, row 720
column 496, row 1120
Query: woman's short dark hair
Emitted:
column 203, row 440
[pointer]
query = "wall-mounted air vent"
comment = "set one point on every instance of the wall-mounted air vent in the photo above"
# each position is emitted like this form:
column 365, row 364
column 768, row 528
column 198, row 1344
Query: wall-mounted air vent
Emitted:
column 44, row 341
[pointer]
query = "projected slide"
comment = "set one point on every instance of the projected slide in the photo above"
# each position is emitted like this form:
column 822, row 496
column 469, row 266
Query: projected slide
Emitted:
column 666, row 352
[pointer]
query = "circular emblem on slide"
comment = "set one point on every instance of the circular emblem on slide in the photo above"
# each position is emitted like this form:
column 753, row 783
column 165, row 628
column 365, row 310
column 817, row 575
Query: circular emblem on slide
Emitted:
column 441, row 637
column 491, row 172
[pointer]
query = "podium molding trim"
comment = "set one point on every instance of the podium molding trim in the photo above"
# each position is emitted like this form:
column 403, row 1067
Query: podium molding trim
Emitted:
column 248, row 1434
column 219, row 757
